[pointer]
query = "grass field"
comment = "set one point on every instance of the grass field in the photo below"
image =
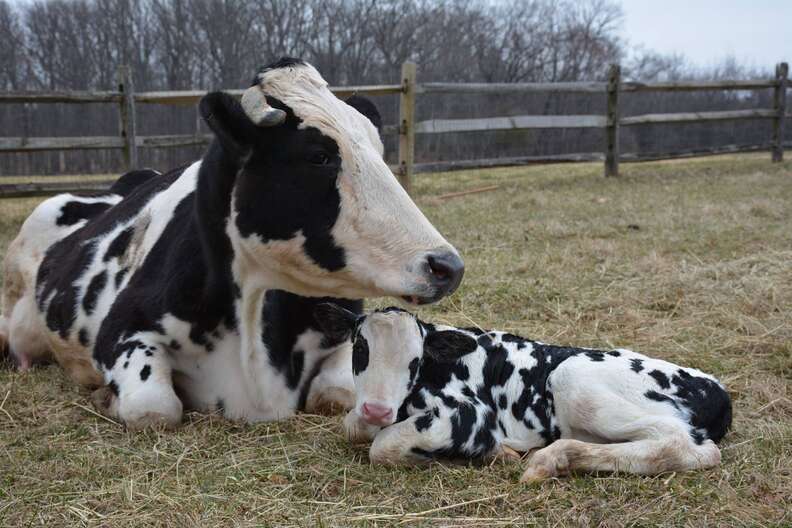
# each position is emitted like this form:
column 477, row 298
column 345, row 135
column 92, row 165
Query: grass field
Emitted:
column 689, row 261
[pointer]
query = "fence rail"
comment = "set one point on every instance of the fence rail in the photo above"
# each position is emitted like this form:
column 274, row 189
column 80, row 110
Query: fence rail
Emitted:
column 408, row 90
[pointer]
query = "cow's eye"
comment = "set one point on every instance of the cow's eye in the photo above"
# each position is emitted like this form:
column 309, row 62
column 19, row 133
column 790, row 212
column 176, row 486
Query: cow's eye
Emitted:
column 319, row 158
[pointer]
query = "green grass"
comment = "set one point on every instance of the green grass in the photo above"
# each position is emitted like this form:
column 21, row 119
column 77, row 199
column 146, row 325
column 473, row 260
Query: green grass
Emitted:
column 689, row 261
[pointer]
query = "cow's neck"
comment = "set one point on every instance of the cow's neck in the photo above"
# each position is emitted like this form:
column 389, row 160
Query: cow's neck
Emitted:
column 212, row 208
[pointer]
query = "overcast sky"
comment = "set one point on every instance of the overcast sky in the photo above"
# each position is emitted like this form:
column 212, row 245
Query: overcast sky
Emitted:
column 756, row 32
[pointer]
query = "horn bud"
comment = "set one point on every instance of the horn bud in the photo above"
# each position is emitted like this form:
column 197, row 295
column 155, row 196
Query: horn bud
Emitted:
column 255, row 106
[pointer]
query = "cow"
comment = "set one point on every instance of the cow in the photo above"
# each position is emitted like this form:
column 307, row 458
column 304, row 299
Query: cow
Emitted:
column 425, row 391
column 196, row 288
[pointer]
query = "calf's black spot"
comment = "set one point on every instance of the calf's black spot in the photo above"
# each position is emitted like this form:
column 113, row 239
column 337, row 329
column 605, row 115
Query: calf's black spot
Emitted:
column 360, row 355
column 661, row 379
column 636, row 365
column 145, row 372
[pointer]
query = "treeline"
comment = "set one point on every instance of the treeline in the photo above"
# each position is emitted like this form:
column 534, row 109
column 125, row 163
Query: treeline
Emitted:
column 209, row 44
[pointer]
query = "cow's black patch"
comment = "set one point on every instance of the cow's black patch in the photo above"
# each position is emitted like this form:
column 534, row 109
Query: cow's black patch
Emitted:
column 119, row 277
column 288, row 185
column 83, row 338
column 174, row 345
column 119, row 244
column 76, row 211
column 92, row 292
column 636, row 365
column 113, row 386
column 56, row 285
column 129, row 182
column 145, row 372
column 283, row 62
column 660, row 378
column 503, row 402
column 614, row 353
column 287, row 317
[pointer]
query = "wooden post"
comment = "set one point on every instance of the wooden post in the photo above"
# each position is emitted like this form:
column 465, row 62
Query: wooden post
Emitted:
column 126, row 117
column 407, row 125
column 782, row 80
column 612, row 122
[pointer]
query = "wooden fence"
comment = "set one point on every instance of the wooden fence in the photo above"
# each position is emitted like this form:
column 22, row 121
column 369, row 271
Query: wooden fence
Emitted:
column 409, row 89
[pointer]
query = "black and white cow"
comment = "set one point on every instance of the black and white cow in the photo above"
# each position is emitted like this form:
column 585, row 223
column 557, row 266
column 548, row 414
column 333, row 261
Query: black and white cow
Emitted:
column 425, row 391
column 197, row 287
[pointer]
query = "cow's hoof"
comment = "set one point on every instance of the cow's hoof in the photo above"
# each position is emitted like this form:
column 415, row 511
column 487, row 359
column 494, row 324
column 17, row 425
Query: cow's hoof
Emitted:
column 150, row 408
column 153, row 420
column 331, row 401
column 105, row 402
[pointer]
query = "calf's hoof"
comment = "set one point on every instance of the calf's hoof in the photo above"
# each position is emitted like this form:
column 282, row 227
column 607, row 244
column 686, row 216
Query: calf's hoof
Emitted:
column 357, row 431
column 544, row 464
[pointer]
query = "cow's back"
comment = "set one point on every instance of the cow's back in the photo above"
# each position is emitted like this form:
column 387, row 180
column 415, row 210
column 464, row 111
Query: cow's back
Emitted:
column 50, row 222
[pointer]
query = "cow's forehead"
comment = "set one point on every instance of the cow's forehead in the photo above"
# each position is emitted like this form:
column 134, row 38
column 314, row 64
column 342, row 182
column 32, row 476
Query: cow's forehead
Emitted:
column 306, row 92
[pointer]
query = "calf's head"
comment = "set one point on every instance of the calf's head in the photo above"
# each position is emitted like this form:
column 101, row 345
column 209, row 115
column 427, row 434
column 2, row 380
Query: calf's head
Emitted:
column 390, row 348
column 315, row 210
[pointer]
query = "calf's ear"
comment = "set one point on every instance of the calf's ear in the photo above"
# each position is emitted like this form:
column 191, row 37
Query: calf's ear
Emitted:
column 446, row 346
column 336, row 322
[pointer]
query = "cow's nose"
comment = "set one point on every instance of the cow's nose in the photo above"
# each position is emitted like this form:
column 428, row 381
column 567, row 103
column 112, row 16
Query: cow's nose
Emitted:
column 376, row 414
column 445, row 271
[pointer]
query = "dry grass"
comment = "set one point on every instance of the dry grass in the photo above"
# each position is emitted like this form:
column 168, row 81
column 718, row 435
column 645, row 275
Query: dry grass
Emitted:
column 690, row 261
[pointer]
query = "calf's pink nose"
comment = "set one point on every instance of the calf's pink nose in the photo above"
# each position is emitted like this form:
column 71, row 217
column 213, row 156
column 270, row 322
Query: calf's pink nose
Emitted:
column 376, row 414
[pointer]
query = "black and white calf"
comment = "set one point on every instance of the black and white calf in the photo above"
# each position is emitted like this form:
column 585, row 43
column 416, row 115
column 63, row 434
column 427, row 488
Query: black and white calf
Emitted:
column 197, row 287
column 424, row 391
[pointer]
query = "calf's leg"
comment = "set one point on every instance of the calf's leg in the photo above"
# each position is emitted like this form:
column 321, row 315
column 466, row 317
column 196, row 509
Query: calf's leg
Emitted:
column 411, row 440
column 642, row 439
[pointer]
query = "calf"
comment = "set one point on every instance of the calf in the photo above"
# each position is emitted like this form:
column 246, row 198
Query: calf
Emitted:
column 426, row 391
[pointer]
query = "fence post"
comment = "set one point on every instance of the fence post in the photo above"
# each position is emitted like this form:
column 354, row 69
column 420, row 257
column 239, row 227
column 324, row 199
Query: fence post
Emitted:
column 407, row 125
column 612, row 122
column 782, row 79
column 126, row 117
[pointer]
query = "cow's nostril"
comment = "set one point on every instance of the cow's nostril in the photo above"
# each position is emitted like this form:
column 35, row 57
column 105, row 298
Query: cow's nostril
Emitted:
column 446, row 270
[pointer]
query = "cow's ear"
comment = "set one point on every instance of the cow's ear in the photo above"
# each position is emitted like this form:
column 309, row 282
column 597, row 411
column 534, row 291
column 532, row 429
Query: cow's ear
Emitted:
column 224, row 116
column 447, row 346
column 365, row 106
column 336, row 322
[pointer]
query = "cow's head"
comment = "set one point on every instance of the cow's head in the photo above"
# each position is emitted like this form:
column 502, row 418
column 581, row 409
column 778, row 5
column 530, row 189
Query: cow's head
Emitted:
column 315, row 209
column 389, row 349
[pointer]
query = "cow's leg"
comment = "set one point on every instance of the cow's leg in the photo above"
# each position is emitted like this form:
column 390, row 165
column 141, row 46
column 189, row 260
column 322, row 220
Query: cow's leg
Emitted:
column 142, row 383
column 333, row 390
column 411, row 441
column 26, row 339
